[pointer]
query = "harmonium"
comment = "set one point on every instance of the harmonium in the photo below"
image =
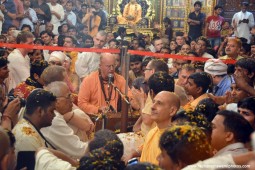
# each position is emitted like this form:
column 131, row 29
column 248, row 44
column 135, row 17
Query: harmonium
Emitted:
column 112, row 121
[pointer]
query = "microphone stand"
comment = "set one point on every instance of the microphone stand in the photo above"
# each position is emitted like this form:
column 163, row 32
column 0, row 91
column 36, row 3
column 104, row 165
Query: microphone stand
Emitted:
column 121, row 94
column 103, row 116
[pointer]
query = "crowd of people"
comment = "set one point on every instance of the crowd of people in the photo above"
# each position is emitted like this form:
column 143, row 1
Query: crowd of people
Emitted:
column 192, row 114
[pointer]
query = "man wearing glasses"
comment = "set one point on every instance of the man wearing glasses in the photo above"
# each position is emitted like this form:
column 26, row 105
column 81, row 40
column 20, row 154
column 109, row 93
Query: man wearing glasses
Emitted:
column 97, row 94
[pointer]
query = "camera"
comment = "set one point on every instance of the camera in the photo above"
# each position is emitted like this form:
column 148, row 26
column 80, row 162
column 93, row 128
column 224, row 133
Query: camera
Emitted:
column 95, row 13
column 22, row 101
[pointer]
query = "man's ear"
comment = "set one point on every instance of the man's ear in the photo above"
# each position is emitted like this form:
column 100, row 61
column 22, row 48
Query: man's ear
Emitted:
column 178, row 166
column 229, row 137
column 173, row 111
column 36, row 76
column 199, row 90
column 250, row 75
column 153, row 70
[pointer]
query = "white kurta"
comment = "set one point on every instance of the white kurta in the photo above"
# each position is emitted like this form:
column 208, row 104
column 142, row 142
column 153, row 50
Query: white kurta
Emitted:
column 27, row 137
column 46, row 160
column 61, row 136
column 54, row 20
column 86, row 63
column 212, row 163
column 19, row 67
column 243, row 29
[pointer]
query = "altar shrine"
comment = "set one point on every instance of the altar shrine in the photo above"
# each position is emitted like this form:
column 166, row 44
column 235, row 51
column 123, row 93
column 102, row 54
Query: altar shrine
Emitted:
column 154, row 11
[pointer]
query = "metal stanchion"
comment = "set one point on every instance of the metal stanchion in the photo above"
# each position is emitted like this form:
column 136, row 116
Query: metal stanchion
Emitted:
column 124, row 72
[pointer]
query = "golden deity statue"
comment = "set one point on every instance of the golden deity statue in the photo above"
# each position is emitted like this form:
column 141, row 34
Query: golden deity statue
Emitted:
column 132, row 13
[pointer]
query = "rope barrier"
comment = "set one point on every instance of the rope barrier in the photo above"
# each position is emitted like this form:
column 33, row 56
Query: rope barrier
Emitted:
column 104, row 50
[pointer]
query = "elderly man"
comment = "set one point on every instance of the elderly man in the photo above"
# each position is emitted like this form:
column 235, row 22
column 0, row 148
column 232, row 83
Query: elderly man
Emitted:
column 77, row 119
column 88, row 62
column 59, row 133
column 221, row 80
column 39, row 113
column 19, row 65
column 96, row 94
column 232, row 49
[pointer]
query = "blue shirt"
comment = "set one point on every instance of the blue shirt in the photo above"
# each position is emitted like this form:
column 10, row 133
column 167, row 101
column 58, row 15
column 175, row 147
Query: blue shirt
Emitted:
column 223, row 86
column 10, row 7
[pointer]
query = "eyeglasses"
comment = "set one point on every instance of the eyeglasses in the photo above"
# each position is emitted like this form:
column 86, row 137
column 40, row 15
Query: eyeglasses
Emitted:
column 110, row 66
column 147, row 69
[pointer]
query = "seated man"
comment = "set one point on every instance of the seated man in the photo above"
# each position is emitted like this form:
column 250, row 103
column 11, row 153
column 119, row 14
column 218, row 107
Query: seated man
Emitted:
column 201, row 47
column 132, row 13
column 92, row 20
column 233, row 97
column 247, row 110
column 39, row 113
column 159, row 81
column 232, row 49
column 135, row 68
column 184, row 73
column 197, row 86
column 146, row 102
column 221, row 80
column 77, row 120
column 96, row 94
column 59, row 133
column 165, row 105
column 230, row 131
column 178, row 142
column 245, row 74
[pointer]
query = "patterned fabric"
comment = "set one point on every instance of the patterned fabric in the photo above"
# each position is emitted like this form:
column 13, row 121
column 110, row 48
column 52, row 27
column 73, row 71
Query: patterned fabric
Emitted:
column 27, row 138
column 26, row 87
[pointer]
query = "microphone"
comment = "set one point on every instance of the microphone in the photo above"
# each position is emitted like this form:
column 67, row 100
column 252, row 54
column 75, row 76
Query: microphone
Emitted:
column 110, row 79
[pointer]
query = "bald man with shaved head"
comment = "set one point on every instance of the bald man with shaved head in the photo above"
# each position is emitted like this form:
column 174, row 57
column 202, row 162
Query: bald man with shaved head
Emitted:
column 165, row 105
column 95, row 91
